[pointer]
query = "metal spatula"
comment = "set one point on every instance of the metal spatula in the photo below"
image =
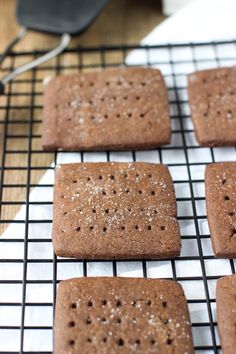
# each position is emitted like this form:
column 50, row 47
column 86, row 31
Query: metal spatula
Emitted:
column 61, row 17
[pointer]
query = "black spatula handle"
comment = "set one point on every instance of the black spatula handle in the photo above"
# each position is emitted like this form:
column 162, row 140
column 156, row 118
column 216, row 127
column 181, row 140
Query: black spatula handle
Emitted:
column 65, row 39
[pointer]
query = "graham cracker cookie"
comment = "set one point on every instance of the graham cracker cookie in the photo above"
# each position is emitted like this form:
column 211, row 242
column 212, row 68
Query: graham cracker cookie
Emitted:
column 212, row 99
column 226, row 309
column 220, row 182
column 115, row 211
column 112, row 109
column 121, row 315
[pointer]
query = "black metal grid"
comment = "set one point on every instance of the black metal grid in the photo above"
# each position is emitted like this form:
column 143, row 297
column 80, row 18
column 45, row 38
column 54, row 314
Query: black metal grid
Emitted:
column 27, row 296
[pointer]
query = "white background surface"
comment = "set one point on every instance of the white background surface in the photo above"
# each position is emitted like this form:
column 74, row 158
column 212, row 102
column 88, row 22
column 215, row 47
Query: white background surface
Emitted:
column 199, row 21
column 171, row 6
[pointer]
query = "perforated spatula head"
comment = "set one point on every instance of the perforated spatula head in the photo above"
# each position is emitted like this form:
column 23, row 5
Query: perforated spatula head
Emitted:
column 58, row 16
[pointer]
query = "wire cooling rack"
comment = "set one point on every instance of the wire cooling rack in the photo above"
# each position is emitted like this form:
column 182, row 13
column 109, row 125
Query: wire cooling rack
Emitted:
column 29, row 271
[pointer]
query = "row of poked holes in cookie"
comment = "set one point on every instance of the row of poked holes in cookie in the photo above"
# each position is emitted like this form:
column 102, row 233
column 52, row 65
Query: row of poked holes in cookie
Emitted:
column 114, row 98
column 104, row 229
column 118, row 303
column 127, row 191
column 209, row 94
column 118, row 115
column 231, row 213
column 108, row 83
column 112, row 177
column 120, row 342
column 115, row 210
column 107, row 211
column 102, row 99
column 229, row 113
column 226, row 198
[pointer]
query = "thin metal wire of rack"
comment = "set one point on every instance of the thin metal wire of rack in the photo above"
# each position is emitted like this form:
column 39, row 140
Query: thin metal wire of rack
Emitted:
column 29, row 270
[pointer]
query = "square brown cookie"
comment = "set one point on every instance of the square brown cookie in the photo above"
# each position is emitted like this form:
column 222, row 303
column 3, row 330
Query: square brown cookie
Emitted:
column 113, row 109
column 220, row 182
column 226, row 310
column 121, row 315
column 212, row 99
column 115, row 211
